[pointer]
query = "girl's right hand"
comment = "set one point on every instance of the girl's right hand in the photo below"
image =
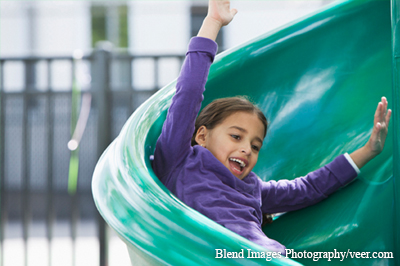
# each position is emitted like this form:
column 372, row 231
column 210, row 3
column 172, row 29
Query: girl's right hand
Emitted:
column 220, row 11
column 219, row 14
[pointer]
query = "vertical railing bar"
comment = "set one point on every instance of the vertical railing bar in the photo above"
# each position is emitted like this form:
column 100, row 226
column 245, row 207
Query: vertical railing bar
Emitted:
column 100, row 83
column 104, row 247
column 182, row 60
column 2, row 75
column 49, row 133
column 75, row 217
column 24, row 168
column 156, row 76
column 132, row 90
column 73, row 196
column 3, row 210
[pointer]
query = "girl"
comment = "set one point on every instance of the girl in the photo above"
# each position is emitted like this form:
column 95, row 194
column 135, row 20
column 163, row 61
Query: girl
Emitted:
column 207, row 163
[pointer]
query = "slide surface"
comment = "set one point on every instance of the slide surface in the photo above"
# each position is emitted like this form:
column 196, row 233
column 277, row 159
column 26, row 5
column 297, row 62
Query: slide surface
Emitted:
column 318, row 81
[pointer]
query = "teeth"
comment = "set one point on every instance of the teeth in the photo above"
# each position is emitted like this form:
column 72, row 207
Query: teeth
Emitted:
column 242, row 164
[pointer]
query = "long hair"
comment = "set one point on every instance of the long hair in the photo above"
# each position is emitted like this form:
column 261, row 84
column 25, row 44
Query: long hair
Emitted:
column 216, row 111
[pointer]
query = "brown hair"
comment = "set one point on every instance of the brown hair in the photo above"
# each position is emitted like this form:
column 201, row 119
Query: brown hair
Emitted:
column 216, row 111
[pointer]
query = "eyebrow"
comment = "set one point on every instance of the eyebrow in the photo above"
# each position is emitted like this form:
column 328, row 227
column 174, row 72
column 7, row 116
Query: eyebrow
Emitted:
column 245, row 131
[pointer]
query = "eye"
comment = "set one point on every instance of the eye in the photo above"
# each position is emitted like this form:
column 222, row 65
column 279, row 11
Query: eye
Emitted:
column 235, row 137
column 256, row 148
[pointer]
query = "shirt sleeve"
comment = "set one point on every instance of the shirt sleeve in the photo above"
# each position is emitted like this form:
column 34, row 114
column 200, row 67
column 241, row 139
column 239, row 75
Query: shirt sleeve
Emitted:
column 347, row 156
column 290, row 195
column 174, row 143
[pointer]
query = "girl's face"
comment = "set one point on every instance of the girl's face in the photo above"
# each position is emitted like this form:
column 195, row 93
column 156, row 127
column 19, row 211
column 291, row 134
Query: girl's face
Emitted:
column 235, row 142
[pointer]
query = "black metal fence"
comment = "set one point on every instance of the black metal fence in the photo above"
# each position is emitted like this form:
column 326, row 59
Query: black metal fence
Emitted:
column 36, row 127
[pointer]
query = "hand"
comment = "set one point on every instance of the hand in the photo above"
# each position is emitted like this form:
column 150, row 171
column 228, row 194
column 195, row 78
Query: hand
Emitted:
column 381, row 123
column 219, row 14
column 220, row 11
column 376, row 142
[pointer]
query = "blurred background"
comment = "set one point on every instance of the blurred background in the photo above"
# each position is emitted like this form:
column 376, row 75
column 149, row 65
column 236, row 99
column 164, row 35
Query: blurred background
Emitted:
column 71, row 73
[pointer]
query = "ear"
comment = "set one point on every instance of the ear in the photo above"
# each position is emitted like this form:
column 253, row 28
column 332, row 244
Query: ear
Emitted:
column 201, row 136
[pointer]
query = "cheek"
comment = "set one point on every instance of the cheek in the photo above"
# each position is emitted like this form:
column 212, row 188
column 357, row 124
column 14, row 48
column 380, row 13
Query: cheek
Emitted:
column 255, row 160
column 224, row 150
column 216, row 147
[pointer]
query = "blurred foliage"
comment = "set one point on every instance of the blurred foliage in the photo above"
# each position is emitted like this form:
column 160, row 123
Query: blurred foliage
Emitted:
column 102, row 23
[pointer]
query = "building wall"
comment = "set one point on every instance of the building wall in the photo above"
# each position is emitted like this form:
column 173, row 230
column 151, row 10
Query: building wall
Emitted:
column 258, row 17
column 164, row 27
column 44, row 27
column 59, row 27
column 159, row 27
column 155, row 27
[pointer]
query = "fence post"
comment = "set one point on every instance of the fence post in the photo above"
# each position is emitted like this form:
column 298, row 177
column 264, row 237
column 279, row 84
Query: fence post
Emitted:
column 100, row 85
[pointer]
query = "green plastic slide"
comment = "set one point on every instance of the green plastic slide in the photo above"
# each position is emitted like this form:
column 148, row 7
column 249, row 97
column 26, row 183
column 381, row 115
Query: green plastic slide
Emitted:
column 318, row 81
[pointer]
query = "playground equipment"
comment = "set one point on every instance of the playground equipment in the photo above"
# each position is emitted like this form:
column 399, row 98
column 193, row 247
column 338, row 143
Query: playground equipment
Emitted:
column 318, row 81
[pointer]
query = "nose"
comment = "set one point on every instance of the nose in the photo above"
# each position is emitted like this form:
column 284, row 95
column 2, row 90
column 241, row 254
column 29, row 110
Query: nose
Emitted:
column 246, row 149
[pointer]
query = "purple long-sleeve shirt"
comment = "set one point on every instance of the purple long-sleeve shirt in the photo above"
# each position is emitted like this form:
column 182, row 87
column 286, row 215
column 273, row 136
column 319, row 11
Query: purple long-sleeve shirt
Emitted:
column 197, row 178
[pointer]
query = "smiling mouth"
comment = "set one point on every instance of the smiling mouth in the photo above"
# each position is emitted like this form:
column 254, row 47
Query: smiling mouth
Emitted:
column 237, row 166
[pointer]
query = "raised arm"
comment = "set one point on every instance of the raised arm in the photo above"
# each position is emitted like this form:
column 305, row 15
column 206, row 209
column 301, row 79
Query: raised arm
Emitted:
column 288, row 195
column 173, row 145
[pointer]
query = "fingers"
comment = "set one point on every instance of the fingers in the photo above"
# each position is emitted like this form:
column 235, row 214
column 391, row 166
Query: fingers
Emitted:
column 234, row 12
column 385, row 113
column 388, row 115
column 382, row 114
column 385, row 104
column 380, row 129
column 377, row 116
column 220, row 11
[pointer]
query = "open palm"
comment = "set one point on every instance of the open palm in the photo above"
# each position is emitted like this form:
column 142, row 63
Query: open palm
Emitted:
column 381, row 124
column 220, row 11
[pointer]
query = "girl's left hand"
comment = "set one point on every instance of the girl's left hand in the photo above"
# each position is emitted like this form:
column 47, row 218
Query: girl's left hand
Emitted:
column 381, row 123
